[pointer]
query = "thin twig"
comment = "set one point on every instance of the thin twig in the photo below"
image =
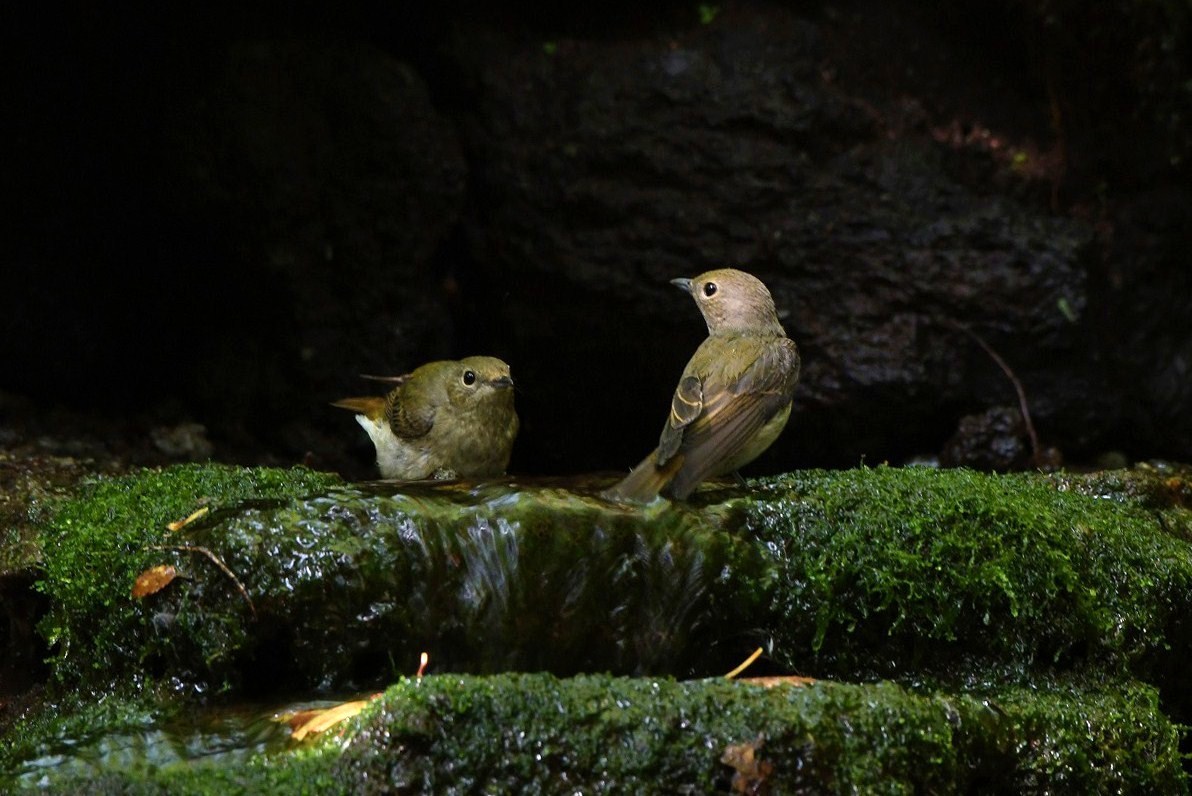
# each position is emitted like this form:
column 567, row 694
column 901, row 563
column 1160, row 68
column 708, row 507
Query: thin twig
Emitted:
column 745, row 664
column 219, row 563
column 1022, row 404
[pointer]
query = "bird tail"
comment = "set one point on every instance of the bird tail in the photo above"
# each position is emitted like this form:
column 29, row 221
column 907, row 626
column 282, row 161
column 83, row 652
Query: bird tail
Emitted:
column 372, row 408
column 646, row 480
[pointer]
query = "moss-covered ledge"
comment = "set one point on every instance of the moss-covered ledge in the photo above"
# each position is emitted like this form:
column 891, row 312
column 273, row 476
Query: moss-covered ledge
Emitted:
column 900, row 573
column 938, row 567
column 536, row 734
column 994, row 601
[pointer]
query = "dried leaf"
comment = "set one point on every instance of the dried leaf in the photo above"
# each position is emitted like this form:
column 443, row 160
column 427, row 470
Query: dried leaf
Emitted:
column 153, row 580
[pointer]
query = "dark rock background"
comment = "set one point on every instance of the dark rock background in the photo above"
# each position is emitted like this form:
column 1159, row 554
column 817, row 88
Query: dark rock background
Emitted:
column 220, row 215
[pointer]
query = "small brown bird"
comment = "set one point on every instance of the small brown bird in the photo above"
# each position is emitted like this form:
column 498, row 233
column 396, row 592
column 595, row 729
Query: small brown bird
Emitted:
column 446, row 419
column 734, row 397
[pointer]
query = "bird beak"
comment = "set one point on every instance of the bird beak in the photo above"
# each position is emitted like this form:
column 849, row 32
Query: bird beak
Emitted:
column 502, row 382
column 682, row 284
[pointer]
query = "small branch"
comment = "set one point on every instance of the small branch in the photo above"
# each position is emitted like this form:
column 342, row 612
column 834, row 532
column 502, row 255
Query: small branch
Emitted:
column 1036, row 456
column 219, row 563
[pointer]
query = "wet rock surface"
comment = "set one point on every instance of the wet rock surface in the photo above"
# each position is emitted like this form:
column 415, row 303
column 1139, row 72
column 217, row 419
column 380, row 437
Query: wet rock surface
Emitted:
column 727, row 144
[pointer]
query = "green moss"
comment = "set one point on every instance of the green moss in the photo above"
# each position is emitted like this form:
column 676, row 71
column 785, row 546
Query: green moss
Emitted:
column 889, row 571
column 529, row 734
column 1163, row 488
column 909, row 574
column 1079, row 738
column 347, row 587
column 532, row 734
column 96, row 543
column 993, row 600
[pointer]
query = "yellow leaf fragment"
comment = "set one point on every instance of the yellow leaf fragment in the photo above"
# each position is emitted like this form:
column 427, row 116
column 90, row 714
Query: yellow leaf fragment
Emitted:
column 178, row 525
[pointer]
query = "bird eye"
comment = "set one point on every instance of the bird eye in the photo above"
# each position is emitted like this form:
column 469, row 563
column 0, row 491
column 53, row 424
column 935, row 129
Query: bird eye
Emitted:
column 469, row 378
column 709, row 289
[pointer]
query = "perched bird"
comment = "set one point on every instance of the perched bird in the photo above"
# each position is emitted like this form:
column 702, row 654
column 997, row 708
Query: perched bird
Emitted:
column 445, row 420
column 734, row 397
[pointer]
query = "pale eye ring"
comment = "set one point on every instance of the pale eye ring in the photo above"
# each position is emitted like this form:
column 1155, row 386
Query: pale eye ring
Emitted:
column 469, row 378
column 710, row 289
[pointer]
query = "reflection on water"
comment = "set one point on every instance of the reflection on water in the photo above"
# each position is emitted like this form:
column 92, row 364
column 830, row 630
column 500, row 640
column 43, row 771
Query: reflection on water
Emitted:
column 143, row 744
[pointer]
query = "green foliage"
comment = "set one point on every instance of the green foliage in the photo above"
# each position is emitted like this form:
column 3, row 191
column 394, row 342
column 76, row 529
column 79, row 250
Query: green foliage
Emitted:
column 95, row 543
column 535, row 734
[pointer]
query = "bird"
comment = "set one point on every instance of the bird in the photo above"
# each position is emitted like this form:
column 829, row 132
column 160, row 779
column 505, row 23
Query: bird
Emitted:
column 734, row 397
column 446, row 419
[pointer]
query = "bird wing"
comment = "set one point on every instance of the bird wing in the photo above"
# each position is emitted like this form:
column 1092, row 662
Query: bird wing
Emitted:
column 736, row 404
column 408, row 416
column 686, row 406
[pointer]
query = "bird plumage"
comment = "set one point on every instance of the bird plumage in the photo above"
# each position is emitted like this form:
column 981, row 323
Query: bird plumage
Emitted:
column 446, row 419
column 734, row 396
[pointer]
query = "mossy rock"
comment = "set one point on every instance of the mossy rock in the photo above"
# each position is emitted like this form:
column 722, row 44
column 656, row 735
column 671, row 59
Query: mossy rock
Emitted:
column 345, row 587
column 992, row 600
column 864, row 573
column 94, row 544
column 930, row 566
column 527, row 734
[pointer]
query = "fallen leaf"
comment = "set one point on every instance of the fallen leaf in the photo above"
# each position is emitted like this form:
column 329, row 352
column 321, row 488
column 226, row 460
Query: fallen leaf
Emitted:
column 153, row 580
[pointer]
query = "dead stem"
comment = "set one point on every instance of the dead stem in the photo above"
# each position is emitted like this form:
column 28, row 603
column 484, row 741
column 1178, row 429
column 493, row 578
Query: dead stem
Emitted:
column 1036, row 456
